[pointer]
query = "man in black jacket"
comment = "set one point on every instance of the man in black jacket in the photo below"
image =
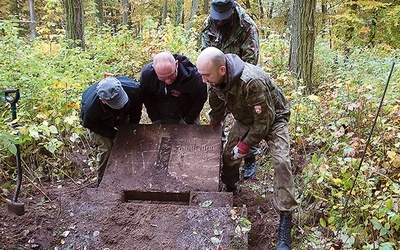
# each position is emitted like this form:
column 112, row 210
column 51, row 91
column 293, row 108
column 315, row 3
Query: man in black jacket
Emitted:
column 173, row 91
column 112, row 101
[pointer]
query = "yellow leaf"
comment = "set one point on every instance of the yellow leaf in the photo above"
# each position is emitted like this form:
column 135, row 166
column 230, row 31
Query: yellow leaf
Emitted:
column 322, row 222
column 394, row 159
column 391, row 154
column 314, row 98
column 396, row 162
column 299, row 107
column 70, row 119
column 337, row 181
column 389, row 204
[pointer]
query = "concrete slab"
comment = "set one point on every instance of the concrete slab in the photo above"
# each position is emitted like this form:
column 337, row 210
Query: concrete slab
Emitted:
column 165, row 157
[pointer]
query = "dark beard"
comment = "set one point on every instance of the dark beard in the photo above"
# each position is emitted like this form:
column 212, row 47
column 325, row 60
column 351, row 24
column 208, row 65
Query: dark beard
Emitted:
column 224, row 29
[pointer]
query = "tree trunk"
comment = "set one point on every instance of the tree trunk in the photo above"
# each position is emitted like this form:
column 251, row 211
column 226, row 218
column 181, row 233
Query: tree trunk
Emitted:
column 247, row 4
column 74, row 26
column 193, row 11
column 100, row 12
column 164, row 12
column 324, row 14
column 260, row 6
column 270, row 10
column 206, row 7
column 125, row 12
column 352, row 5
column 372, row 29
column 32, row 24
column 179, row 12
column 302, row 38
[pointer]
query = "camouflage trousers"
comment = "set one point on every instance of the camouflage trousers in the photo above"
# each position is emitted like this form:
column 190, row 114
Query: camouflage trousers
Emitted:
column 104, row 146
column 279, row 149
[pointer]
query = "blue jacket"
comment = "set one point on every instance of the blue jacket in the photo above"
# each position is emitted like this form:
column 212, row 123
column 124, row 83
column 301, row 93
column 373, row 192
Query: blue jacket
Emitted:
column 101, row 118
column 183, row 99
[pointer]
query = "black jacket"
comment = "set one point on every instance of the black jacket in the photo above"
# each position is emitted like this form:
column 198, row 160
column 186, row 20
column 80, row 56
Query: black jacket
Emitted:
column 101, row 118
column 183, row 99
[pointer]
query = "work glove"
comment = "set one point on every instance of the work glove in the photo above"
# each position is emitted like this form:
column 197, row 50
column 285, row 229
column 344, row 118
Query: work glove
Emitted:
column 240, row 150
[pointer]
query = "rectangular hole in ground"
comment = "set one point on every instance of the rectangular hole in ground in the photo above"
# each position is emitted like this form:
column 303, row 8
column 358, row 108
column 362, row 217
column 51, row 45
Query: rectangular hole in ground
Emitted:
column 156, row 197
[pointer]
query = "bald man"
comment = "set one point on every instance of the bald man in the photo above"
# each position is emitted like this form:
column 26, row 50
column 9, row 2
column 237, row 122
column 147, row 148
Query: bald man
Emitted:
column 261, row 111
column 173, row 91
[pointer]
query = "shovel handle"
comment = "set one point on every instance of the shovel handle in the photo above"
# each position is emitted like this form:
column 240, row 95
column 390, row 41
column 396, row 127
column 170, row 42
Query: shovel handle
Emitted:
column 12, row 100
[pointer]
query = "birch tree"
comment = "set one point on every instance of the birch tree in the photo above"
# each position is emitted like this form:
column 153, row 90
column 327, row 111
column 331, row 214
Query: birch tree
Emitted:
column 32, row 23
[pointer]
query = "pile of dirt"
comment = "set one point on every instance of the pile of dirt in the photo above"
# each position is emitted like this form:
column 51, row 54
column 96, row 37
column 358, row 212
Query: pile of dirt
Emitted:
column 50, row 223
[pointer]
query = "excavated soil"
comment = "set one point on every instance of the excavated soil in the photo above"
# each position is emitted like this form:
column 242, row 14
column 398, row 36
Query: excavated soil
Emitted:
column 51, row 221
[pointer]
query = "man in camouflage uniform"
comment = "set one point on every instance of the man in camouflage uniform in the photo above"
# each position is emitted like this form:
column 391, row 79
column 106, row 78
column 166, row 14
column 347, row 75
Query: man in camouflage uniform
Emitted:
column 261, row 111
column 231, row 30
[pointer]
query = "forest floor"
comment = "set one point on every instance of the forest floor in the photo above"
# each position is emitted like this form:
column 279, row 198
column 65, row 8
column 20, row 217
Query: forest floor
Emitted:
column 47, row 222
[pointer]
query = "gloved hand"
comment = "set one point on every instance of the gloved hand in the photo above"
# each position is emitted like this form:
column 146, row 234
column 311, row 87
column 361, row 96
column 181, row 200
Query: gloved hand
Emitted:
column 240, row 150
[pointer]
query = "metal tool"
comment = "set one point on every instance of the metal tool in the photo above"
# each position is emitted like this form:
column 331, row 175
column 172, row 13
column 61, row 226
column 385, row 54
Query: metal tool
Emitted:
column 365, row 150
column 12, row 96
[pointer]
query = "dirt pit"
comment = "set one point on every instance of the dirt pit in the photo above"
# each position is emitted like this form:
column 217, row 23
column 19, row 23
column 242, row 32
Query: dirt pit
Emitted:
column 187, row 210
column 58, row 219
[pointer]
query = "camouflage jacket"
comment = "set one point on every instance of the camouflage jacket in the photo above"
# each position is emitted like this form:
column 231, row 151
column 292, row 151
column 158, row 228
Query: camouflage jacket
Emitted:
column 242, row 39
column 252, row 97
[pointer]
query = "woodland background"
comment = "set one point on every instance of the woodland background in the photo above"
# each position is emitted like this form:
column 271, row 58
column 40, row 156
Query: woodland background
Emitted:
column 52, row 50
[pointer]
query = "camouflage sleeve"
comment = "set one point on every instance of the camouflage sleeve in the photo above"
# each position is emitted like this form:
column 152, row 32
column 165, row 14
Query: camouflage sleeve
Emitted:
column 205, row 38
column 260, row 101
column 251, row 46
column 217, row 106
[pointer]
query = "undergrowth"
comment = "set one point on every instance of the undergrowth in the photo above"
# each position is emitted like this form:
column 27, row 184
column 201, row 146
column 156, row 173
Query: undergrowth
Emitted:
column 329, row 129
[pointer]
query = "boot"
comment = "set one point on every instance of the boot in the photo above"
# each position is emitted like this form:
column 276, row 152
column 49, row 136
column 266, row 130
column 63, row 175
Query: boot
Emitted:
column 285, row 227
column 250, row 163
column 249, row 170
